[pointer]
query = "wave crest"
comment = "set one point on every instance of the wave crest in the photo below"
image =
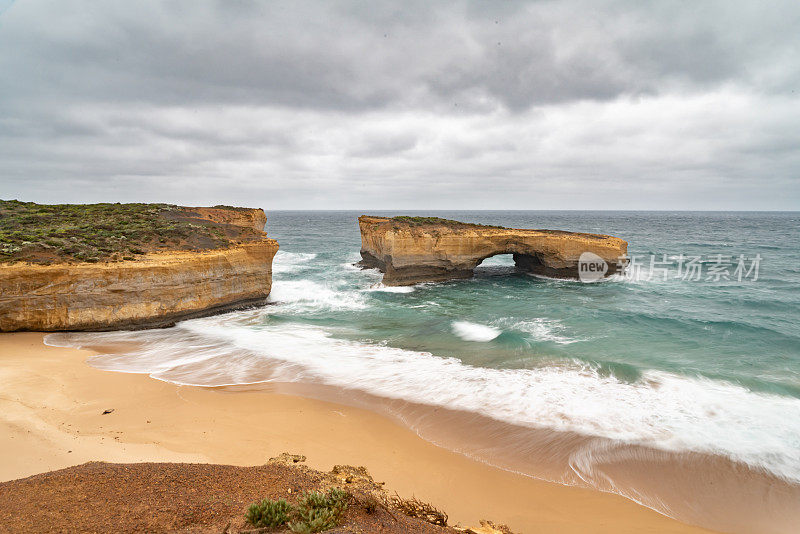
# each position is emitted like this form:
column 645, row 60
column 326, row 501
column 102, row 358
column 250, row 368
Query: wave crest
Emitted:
column 474, row 331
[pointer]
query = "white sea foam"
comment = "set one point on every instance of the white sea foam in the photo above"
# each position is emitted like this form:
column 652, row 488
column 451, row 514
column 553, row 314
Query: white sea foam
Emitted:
column 554, row 279
column 354, row 267
column 660, row 410
column 307, row 294
column 539, row 329
column 475, row 332
column 392, row 289
column 289, row 262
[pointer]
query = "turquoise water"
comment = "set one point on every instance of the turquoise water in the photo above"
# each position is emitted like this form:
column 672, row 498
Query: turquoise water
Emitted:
column 710, row 367
column 746, row 333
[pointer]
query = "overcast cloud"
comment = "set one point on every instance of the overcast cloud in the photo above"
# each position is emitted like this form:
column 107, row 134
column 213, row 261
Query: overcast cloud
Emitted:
column 373, row 105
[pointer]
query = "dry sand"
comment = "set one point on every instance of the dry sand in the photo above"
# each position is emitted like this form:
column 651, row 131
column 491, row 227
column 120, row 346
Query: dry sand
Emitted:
column 51, row 406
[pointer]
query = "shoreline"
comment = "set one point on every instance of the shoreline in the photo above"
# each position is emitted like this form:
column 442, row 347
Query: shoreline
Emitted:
column 51, row 418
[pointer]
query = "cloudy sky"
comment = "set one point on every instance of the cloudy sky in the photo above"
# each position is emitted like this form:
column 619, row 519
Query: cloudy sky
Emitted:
column 356, row 105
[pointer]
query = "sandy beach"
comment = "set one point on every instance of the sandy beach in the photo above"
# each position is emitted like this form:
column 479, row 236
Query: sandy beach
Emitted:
column 492, row 267
column 52, row 405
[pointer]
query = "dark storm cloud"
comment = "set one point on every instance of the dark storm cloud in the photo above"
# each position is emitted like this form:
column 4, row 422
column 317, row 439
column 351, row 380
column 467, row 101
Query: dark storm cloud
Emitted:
column 341, row 104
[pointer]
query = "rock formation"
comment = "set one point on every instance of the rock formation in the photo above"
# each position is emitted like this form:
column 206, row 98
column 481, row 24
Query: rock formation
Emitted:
column 410, row 250
column 154, row 290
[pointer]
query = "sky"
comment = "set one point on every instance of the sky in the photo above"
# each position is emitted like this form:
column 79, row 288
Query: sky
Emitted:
column 585, row 105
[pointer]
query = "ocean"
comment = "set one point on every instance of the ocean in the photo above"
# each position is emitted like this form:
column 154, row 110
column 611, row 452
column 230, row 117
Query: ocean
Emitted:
column 676, row 384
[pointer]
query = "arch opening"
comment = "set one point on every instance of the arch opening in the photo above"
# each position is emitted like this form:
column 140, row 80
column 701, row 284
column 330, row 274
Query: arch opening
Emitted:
column 500, row 264
column 507, row 262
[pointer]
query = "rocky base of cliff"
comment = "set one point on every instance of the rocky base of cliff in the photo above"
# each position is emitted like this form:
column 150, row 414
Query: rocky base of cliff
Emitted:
column 534, row 265
column 169, row 319
column 417, row 274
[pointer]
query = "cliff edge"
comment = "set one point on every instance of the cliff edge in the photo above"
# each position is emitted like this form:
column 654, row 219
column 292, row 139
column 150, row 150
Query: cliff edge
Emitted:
column 125, row 266
column 409, row 250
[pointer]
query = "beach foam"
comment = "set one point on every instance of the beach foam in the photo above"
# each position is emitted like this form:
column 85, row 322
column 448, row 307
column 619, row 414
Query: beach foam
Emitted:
column 661, row 410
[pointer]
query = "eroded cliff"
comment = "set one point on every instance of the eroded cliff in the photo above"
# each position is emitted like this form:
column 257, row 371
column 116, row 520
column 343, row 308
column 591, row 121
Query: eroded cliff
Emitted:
column 410, row 250
column 227, row 267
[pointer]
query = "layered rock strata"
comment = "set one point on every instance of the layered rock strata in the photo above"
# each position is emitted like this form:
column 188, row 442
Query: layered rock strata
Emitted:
column 155, row 290
column 410, row 250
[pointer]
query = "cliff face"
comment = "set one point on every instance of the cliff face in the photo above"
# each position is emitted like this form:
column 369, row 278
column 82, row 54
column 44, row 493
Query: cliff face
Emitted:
column 410, row 251
column 155, row 290
column 255, row 219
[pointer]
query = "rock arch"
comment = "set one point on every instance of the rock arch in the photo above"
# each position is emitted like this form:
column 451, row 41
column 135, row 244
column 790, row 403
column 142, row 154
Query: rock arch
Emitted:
column 409, row 250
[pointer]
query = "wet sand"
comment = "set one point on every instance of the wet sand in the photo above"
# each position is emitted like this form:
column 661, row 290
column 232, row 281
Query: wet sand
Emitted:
column 701, row 489
column 51, row 409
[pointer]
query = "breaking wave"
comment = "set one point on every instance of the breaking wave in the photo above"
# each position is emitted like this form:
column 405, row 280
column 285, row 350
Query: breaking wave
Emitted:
column 475, row 332
column 660, row 410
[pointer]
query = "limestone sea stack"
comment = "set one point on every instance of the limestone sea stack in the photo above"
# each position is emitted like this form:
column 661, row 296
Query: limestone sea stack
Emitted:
column 410, row 250
column 125, row 266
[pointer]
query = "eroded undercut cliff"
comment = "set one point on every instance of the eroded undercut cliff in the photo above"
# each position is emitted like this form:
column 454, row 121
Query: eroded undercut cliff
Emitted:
column 410, row 250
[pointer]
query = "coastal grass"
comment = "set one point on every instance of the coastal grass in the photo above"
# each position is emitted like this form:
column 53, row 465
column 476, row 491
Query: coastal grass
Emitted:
column 40, row 233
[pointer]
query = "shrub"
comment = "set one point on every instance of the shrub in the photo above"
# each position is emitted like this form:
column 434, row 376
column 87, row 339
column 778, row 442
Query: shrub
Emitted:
column 413, row 507
column 268, row 513
column 370, row 504
column 319, row 511
column 315, row 521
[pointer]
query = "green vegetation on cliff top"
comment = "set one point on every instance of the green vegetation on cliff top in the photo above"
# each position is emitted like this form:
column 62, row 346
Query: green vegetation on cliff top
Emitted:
column 314, row 512
column 422, row 221
column 41, row 233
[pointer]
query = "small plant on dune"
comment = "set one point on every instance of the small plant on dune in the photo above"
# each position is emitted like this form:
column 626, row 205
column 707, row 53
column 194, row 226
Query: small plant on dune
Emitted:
column 370, row 504
column 413, row 507
column 269, row 513
column 318, row 511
